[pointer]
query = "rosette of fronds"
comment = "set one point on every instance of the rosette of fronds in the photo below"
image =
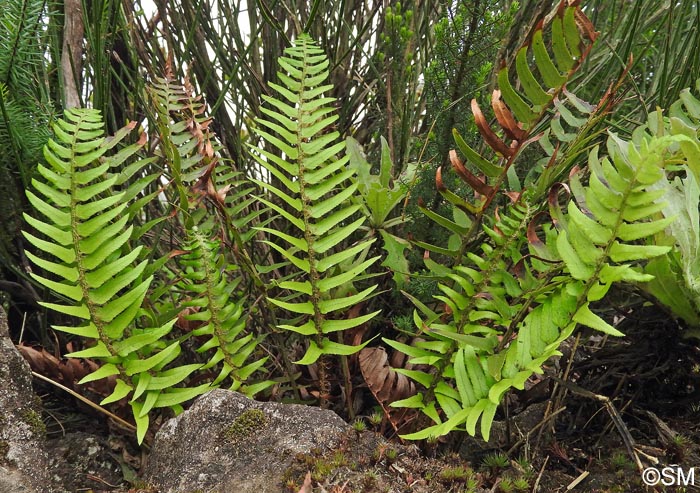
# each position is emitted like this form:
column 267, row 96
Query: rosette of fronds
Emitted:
column 509, row 306
column 88, row 261
column 209, row 192
column 311, row 187
column 218, row 309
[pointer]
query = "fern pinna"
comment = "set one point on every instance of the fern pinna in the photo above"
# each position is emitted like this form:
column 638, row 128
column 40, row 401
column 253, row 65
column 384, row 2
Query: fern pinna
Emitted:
column 313, row 200
column 87, row 243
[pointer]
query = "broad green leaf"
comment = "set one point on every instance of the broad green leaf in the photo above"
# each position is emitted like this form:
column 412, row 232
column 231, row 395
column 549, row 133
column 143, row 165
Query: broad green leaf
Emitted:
column 520, row 108
column 172, row 377
column 332, row 305
column 80, row 311
column 139, row 341
column 622, row 252
column 485, row 166
column 158, row 360
column 312, row 354
column 422, row 378
column 531, row 87
column 464, row 386
column 544, row 63
column 577, row 268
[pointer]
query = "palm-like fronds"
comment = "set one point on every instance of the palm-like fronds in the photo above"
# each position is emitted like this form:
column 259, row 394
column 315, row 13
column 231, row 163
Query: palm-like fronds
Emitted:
column 86, row 238
column 315, row 193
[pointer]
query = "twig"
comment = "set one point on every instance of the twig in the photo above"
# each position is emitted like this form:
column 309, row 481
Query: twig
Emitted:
column 87, row 401
column 539, row 476
column 576, row 481
column 534, row 429
column 614, row 415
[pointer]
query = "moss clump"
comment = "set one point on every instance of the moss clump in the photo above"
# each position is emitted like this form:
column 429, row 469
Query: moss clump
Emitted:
column 246, row 424
column 36, row 424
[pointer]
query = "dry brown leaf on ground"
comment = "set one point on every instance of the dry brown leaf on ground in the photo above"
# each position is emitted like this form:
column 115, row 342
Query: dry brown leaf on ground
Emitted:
column 385, row 383
column 67, row 372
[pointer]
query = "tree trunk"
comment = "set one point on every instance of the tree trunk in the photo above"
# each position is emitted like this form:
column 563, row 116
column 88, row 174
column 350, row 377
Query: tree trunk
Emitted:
column 72, row 52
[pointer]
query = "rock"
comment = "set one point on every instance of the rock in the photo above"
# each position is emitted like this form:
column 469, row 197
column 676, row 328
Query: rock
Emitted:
column 82, row 461
column 226, row 442
column 23, row 458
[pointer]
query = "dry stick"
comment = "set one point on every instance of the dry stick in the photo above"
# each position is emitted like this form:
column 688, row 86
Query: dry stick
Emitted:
column 607, row 427
column 576, row 481
column 545, row 420
column 539, row 476
column 86, row 401
column 569, row 364
column 614, row 415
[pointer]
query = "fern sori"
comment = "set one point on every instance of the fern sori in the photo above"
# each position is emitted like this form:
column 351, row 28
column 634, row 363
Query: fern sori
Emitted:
column 97, row 272
column 316, row 187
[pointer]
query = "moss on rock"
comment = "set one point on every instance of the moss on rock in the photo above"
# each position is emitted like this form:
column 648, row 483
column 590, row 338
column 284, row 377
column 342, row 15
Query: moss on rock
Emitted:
column 246, row 424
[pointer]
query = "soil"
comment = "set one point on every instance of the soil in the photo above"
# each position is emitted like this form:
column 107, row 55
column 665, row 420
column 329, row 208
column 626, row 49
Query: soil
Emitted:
column 600, row 415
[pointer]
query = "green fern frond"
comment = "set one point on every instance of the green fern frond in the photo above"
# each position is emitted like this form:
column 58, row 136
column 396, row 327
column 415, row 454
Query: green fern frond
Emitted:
column 507, row 313
column 542, row 110
column 315, row 187
column 93, row 267
column 222, row 317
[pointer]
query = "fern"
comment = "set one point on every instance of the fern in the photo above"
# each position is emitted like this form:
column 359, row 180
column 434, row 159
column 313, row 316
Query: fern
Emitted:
column 200, row 175
column 676, row 281
column 503, row 311
column 87, row 242
column 509, row 313
column 315, row 190
column 222, row 320
column 542, row 110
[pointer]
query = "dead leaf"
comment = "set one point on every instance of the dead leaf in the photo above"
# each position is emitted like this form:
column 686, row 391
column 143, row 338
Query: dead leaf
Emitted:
column 383, row 381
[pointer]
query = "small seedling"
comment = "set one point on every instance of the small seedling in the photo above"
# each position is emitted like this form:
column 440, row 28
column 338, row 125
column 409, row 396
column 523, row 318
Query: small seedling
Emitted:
column 497, row 460
column 619, row 461
column 456, row 474
column 506, row 485
column 375, row 419
column 359, row 426
column 370, row 480
column 471, row 485
column 521, row 484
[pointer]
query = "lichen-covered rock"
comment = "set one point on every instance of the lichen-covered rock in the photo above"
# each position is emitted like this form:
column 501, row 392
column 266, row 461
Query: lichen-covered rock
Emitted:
column 226, row 442
column 23, row 459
